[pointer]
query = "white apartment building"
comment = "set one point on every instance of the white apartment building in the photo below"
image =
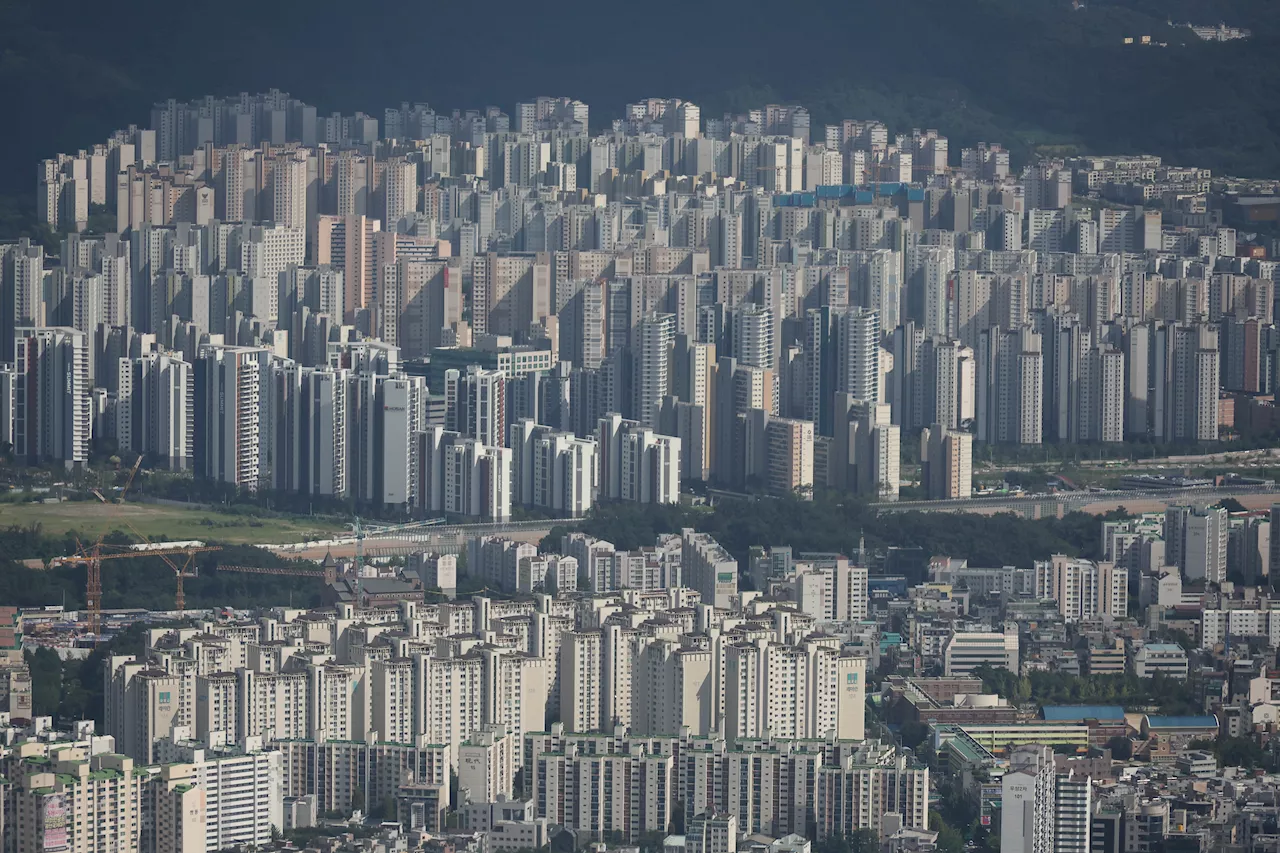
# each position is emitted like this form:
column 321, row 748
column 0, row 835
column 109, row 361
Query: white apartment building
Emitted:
column 449, row 698
column 83, row 804
column 486, row 764
column 671, row 688
column 808, row 691
column 1083, row 589
column 228, row 402
column 155, row 408
column 242, row 786
column 51, row 407
column 854, row 783
column 142, row 704
column 515, row 691
column 581, row 655
column 831, row 589
column 272, row 705
column 708, row 568
column 653, row 366
column 1028, row 795
column 1072, row 812
column 554, row 471
column 334, row 772
column 636, row 464
column 711, row 833
column 461, row 476
column 391, row 699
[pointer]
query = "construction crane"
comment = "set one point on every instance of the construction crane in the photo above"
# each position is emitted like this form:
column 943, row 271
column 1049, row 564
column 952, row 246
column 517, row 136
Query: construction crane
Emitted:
column 93, row 557
column 93, row 573
column 179, row 572
column 380, row 530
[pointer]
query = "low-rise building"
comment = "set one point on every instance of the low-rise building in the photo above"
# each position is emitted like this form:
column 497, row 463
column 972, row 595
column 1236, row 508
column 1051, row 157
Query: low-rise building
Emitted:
column 1197, row 763
column 966, row 651
column 1164, row 658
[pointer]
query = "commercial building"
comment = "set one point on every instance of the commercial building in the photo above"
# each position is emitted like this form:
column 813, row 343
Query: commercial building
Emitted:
column 1164, row 658
column 965, row 651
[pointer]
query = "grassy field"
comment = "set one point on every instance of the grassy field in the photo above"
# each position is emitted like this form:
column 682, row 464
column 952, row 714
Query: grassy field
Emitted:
column 159, row 523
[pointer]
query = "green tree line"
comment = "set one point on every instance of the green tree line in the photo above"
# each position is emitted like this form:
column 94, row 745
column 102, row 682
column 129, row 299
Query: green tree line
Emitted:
column 835, row 523
column 143, row 582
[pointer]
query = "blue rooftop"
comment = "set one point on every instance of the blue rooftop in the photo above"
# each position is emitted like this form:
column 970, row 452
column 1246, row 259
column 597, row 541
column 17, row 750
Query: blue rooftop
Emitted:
column 1204, row 722
column 1076, row 713
column 794, row 200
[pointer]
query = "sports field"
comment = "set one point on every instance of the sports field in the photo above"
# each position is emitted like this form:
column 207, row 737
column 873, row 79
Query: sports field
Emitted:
column 164, row 523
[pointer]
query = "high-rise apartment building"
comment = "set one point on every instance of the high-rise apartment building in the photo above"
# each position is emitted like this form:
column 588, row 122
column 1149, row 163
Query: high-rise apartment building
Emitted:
column 1196, row 541
column 1028, row 816
column 788, row 456
column 51, row 406
column 1010, row 387
column 1083, row 589
column 461, row 475
column 946, row 462
column 228, row 387
column 636, row 464
column 155, row 408
column 653, row 359
column 581, row 654
column 709, row 569
column 554, row 471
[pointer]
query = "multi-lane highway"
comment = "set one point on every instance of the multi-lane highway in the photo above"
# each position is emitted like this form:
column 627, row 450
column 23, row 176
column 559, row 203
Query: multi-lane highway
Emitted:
column 1059, row 503
column 442, row 539
column 452, row 538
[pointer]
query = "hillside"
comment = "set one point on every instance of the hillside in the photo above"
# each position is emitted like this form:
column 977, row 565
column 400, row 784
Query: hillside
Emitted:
column 1026, row 72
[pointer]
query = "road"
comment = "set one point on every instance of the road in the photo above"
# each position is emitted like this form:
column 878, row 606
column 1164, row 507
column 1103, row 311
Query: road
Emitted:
column 452, row 539
column 444, row 539
column 1097, row 503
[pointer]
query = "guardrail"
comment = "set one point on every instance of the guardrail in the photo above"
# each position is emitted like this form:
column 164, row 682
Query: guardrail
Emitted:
column 1075, row 499
column 427, row 536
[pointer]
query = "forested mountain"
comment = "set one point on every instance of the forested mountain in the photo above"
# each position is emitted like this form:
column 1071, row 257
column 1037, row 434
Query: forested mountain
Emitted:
column 1025, row 72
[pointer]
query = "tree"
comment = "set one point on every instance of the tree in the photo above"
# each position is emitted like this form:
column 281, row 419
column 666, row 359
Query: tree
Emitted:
column 386, row 809
column 913, row 733
column 677, row 818
column 1121, row 748
column 949, row 839
column 864, row 841
column 650, row 842
column 1232, row 505
column 46, row 681
column 1239, row 752
column 834, row 843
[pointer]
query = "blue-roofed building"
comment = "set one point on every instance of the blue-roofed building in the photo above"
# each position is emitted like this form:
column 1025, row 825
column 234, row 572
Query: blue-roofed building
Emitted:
column 1104, row 721
column 1175, row 729
column 1080, row 713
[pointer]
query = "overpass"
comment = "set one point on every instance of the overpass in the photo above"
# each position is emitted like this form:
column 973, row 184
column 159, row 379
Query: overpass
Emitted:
column 1097, row 502
column 452, row 538
column 441, row 539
